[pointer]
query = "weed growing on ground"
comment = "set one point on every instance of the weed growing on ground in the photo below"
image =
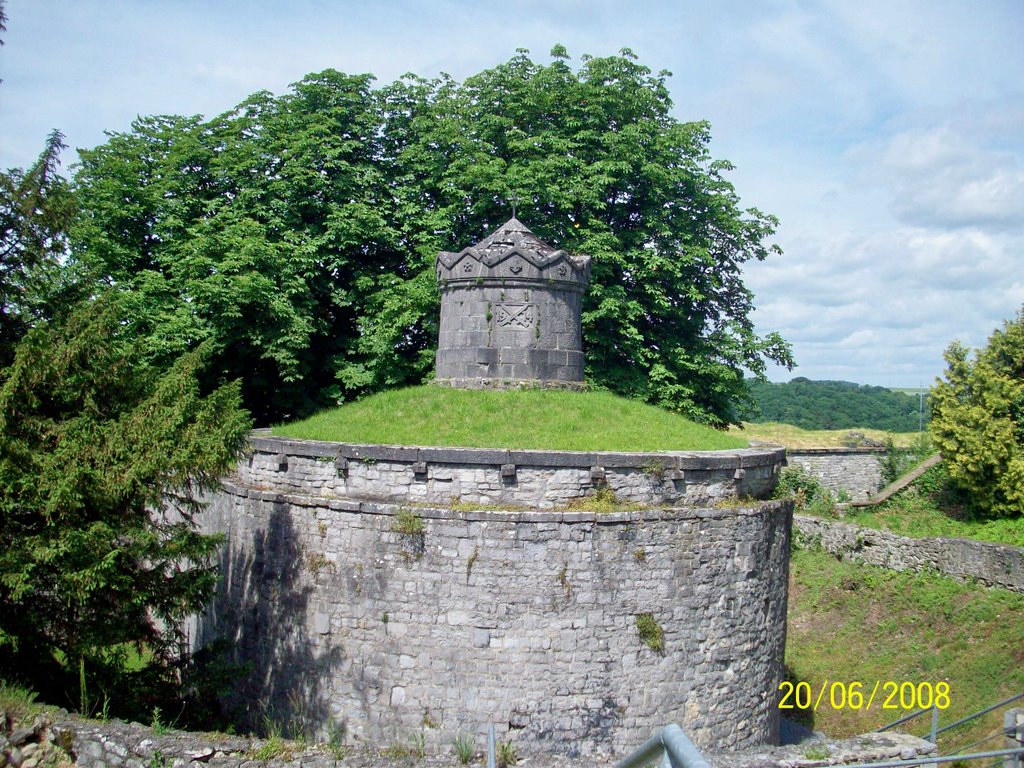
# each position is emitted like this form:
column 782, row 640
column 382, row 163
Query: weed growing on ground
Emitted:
column 464, row 748
column 415, row 747
column 506, row 754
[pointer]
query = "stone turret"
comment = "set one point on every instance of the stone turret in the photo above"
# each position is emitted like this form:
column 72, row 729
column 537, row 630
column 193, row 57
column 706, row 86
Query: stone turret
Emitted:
column 510, row 313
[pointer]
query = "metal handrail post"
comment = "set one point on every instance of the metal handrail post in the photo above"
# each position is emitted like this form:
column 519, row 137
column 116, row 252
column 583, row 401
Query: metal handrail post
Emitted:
column 935, row 725
column 491, row 762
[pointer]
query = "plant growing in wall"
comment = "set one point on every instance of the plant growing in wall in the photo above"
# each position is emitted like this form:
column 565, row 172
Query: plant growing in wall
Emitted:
column 506, row 754
column 650, row 632
column 407, row 522
column 411, row 526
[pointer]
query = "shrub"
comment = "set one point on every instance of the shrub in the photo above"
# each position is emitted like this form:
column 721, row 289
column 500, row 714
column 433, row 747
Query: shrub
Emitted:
column 806, row 491
column 978, row 420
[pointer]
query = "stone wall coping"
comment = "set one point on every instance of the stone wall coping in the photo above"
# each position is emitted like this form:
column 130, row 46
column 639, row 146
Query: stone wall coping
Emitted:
column 440, row 512
column 737, row 458
column 836, row 451
column 872, row 534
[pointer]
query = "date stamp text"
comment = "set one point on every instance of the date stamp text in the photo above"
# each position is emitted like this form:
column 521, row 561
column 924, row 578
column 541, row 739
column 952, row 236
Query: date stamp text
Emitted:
column 886, row 694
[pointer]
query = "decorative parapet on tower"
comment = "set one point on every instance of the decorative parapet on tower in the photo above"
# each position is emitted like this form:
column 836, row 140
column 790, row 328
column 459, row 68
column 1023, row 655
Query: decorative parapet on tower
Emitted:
column 510, row 312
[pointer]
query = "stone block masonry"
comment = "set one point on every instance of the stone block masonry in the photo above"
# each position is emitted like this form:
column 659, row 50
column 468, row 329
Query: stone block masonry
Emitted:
column 540, row 479
column 994, row 565
column 386, row 619
column 525, row 619
column 857, row 471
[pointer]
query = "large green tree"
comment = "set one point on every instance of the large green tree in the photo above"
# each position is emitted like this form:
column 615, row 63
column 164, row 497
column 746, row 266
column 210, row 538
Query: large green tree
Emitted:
column 101, row 460
column 978, row 420
column 298, row 233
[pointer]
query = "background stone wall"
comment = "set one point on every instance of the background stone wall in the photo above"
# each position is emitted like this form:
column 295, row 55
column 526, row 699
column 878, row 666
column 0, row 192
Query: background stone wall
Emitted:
column 387, row 622
column 996, row 565
column 857, row 471
column 539, row 479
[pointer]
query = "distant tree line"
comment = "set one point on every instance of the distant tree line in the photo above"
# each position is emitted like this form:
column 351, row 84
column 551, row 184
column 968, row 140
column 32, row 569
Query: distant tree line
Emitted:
column 834, row 405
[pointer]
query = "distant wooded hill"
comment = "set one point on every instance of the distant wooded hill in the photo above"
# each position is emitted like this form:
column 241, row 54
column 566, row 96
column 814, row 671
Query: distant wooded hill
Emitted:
column 834, row 405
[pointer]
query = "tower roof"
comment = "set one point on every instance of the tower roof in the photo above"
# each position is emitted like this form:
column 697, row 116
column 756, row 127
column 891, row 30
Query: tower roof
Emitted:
column 511, row 239
column 513, row 234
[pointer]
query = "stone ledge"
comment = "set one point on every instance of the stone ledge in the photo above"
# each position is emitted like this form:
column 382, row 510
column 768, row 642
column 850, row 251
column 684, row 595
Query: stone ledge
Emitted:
column 441, row 512
column 723, row 459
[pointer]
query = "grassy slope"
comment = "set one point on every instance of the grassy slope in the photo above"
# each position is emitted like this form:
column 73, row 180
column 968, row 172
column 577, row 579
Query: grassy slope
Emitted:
column 795, row 437
column 914, row 514
column 550, row 419
column 850, row 622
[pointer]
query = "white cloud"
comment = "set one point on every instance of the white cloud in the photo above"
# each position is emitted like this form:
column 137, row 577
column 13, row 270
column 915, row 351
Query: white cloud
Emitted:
column 942, row 176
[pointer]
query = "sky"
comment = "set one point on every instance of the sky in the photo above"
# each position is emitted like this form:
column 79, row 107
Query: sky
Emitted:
column 886, row 136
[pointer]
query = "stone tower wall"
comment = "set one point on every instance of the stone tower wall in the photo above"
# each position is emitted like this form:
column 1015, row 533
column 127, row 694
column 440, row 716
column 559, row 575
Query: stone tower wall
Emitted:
column 510, row 332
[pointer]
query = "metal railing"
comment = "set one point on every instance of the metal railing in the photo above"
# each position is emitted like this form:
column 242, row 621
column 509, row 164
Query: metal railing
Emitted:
column 935, row 730
column 675, row 748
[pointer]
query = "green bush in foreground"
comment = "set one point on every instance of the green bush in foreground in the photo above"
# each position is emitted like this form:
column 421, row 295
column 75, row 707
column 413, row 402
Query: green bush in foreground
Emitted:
column 94, row 585
column 978, row 420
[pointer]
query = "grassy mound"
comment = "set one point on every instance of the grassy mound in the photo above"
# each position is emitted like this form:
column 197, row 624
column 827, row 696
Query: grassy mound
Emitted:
column 524, row 419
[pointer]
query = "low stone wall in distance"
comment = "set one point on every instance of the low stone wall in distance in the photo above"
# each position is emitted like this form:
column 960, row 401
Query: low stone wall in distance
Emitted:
column 535, row 479
column 857, row 471
column 995, row 565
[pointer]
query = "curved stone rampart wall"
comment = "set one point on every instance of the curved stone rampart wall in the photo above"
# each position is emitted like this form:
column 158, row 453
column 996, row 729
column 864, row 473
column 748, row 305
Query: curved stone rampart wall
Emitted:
column 539, row 479
column 385, row 621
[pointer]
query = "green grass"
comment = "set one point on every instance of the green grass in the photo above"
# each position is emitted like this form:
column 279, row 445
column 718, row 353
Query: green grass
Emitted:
column 19, row 703
column 514, row 419
column 931, row 507
column 851, row 622
column 796, row 437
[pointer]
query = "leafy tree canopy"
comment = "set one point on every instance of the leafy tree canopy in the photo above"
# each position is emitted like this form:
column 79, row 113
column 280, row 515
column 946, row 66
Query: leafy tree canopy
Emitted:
column 834, row 405
column 297, row 233
column 978, row 420
column 91, row 442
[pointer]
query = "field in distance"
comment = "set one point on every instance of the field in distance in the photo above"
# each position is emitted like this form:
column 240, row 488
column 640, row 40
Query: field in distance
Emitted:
column 795, row 437
column 514, row 419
